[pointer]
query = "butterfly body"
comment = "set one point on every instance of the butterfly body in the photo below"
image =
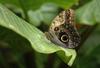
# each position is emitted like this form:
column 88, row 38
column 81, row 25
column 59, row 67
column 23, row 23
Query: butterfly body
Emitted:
column 62, row 30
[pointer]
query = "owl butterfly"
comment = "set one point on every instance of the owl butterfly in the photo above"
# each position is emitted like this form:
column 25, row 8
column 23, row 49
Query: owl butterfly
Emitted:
column 63, row 31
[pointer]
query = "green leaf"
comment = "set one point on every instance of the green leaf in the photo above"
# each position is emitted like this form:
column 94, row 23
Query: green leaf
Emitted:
column 12, row 2
column 35, row 4
column 37, row 39
column 64, row 3
column 89, row 13
column 42, row 11
column 44, row 14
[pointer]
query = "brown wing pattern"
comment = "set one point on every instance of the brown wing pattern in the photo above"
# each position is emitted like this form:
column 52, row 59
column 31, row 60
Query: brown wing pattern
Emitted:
column 63, row 31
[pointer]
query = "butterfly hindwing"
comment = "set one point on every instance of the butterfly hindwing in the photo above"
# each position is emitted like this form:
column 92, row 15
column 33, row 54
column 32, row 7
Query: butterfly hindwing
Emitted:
column 62, row 30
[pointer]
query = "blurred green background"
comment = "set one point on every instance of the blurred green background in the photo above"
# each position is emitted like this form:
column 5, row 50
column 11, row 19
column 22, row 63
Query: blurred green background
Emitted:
column 16, row 51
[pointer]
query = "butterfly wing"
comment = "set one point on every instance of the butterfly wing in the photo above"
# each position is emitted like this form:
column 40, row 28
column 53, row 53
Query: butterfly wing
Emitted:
column 62, row 30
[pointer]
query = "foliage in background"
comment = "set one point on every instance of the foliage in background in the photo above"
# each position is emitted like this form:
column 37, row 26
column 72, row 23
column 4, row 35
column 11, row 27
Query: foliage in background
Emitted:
column 40, row 13
column 89, row 13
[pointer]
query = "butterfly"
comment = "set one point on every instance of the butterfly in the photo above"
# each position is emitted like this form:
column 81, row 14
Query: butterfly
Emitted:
column 63, row 31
